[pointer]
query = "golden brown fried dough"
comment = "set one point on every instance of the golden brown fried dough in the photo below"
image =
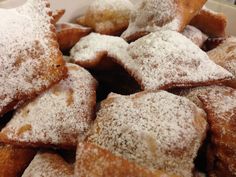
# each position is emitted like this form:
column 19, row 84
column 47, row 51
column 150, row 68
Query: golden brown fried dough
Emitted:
column 14, row 160
column 68, row 34
column 211, row 23
column 30, row 60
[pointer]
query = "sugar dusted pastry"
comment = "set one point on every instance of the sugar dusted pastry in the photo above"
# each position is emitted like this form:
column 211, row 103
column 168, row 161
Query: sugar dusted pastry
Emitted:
column 195, row 35
column 150, row 16
column 30, row 60
column 109, row 17
column 14, row 160
column 58, row 116
column 167, row 59
column 68, row 34
column 220, row 105
column 157, row 130
column 211, row 23
column 93, row 161
column 225, row 56
column 194, row 93
column 146, row 59
column 96, row 50
column 48, row 164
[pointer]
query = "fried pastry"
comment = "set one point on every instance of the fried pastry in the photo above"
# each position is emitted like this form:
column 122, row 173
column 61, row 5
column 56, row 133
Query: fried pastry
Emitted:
column 57, row 14
column 93, row 161
column 109, row 17
column 68, row 34
column 14, row 160
column 225, row 56
column 156, row 61
column 193, row 93
column 150, row 16
column 195, row 35
column 157, row 130
column 211, row 23
column 58, row 116
column 98, row 51
column 48, row 164
column 167, row 59
column 30, row 60
column 220, row 105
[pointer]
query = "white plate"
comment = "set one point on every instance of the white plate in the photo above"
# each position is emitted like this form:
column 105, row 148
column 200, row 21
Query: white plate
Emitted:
column 74, row 8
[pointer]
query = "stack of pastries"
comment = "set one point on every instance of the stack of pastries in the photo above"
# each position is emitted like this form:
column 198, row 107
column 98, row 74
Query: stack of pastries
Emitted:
column 126, row 90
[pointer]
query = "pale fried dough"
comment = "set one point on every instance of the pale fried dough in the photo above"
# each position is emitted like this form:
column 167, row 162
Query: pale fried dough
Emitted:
column 30, row 60
column 58, row 116
column 157, row 130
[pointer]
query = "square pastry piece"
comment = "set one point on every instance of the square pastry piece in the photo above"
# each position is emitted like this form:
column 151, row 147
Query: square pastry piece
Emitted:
column 93, row 161
column 30, row 60
column 58, row 116
column 156, row 130
column 48, row 164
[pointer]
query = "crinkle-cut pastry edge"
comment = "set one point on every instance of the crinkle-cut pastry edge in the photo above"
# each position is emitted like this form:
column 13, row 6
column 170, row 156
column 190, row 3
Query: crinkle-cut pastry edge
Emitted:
column 18, row 98
column 57, row 15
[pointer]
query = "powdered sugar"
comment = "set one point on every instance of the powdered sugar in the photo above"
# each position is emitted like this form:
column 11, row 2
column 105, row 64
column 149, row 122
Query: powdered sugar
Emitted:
column 101, row 5
column 221, row 101
column 167, row 58
column 156, row 130
column 26, row 46
column 48, row 164
column 88, row 47
column 220, row 104
column 150, row 16
column 93, row 161
column 225, row 55
column 195, row 35
column 58, row 116
column 194, row 93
